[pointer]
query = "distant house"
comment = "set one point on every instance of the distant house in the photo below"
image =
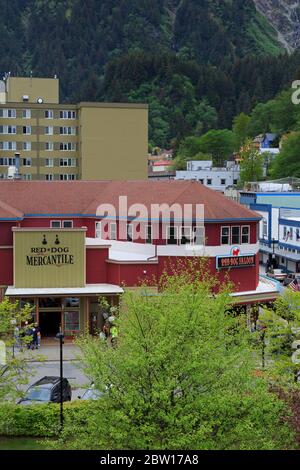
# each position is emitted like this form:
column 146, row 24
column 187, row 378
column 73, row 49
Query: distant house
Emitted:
column 265, row 143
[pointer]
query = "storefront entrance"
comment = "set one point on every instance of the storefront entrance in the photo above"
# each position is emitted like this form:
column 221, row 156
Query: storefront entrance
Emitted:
column 49, row 323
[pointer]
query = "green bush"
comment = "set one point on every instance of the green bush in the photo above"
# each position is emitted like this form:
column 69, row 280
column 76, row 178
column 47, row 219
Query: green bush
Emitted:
column 39, row 420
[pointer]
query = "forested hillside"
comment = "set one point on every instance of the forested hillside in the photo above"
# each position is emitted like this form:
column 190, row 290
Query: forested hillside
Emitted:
column 197, row 63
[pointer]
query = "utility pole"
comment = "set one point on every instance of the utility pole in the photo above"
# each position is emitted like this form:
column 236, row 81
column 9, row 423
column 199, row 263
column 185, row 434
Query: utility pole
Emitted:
column 61, row 336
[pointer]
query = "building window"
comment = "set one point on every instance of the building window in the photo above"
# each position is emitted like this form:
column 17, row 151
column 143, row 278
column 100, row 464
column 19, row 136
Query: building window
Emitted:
column 246, row 234
column 223, row 181
column 49, row 130
column 66, row 114
column 225, row 235
column 98, row 231
column 291, row 233
column 7, row 161
column 209, row 181
column 72, row 321
column 27, row 130
column 26, row 113
column 8, row 146
column 67, row 177
column 113, row 230
column 49, row 177
column 8, row 130
column 26, row 161
column 285, row 233
column 185, row 235
column 148, row 234
column 49, row 162
column 265, row 228
column 49, row 114
column 27, row 177
column 235, row 181
column 67, row 224
column 67, row 146
column 129, row 232
column 8, row 113
column 235, row 235
column 26, row 146
column 49, row 146
column 199, row 235
column 67, row 162
column 55, row 224
column 172, row 235
column 297, row 234
column 67, row 130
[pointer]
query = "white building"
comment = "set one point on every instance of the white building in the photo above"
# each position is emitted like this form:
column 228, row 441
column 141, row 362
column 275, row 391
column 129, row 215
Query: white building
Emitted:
column 215, row 178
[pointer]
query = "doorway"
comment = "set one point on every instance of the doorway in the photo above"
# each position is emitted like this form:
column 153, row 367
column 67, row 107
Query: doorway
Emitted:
column 49, row 323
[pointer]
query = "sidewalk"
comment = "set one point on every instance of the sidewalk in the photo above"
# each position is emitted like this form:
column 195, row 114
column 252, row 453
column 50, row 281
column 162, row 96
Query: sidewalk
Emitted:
column 51, row 352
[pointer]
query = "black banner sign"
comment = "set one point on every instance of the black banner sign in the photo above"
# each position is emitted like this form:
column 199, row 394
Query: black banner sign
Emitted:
column 225, row 262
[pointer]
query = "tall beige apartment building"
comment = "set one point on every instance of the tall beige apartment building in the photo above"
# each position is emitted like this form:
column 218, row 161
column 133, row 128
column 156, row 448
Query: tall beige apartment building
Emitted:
column 90, row 141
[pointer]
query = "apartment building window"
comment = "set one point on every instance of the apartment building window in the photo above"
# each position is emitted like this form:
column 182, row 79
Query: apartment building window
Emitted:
column 67, row 146
column 291, row 233
column 49, row 162
column 245, row 234
column 49, row 114
column 55, row 224
column 7, row 161
column 129, row 232
column 27, row 177
column 209, row 181
column 235, row 235
column 148, row 234
column 67, row 162
column 185, row 235
column 67, row 114
column 172, row 235
column 67, row 177
column 223, row 181
column 49, row 130
column 98, row 230
column 26, row 113
column 113, row 231
column 49, row 146
column 225, row 235
column 8, row 146
column 49, row 177
column 67, row 130
column 8, row 130
column 297, row 234
column 284, row 232
column 26, row 146
column 8, row 113
column 27, row 130
column 26, row 161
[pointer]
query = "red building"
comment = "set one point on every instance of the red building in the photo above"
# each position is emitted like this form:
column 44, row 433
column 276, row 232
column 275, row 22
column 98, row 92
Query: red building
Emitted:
column 135, row 244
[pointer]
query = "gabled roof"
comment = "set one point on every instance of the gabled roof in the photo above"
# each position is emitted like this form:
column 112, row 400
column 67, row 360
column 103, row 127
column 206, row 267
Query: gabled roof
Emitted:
column 61, row 198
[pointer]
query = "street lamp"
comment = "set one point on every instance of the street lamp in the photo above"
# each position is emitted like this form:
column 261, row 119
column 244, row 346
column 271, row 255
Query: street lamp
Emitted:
column 61, row 336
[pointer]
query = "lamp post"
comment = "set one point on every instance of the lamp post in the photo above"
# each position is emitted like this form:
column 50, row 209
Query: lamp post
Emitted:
column 13, row 323
column 61, row 336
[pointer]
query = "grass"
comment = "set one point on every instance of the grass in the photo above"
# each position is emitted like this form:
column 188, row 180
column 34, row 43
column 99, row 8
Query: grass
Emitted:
column 22, row 443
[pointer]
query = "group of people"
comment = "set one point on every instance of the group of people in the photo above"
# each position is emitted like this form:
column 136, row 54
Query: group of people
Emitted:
column 109, row 330
column 29, row 335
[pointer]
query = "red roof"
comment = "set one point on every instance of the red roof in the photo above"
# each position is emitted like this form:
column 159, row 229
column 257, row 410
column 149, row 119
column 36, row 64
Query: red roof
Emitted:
column 18, row 198
column 163, row 162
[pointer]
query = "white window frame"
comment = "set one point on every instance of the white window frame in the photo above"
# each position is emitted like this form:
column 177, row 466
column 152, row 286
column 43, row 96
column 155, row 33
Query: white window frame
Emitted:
column 26, row 146
column 231, row 230
column 249, row 234
column 50, row 146
column 229, row 235
column 168, row 234
column 8, row 113
column 49, row 177
column 50, row 113
column 129, row 232
column 27, row 161
column 98, row 229
column 26, row 113
column 202, row 228
column 182, row 235
column 56, row 221
column 49, row 162
column 149, row 241
column 67, row 220
column 113, row 231
column 27, row 129
column 49, row 130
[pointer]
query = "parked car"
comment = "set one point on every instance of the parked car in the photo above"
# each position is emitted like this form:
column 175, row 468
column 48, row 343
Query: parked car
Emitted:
column 290, row 277
column 277, row 274
column 47, row 390
column 91, row 393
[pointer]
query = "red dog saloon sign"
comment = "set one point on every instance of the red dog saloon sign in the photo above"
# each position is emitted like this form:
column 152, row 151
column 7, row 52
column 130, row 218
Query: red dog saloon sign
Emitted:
column 235, row 260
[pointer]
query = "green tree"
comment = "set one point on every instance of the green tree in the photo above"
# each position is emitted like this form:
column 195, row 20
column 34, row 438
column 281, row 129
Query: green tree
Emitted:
column 287, row 163
column 219, row 143
column 181, row 375
column 251, row 163
column 241, row 129
column 15, row 372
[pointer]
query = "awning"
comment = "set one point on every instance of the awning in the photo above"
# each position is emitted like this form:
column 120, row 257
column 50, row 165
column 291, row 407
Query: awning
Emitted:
column 89, row 289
